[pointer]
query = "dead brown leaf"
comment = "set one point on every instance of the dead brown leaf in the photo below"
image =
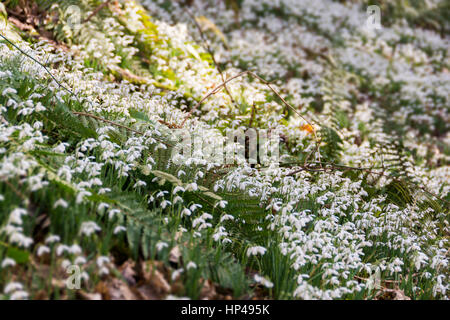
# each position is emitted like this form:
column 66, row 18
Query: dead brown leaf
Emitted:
column 118, row 290
column 208, row 291
column 155, row 278
column 175, row 255
column 89, row 296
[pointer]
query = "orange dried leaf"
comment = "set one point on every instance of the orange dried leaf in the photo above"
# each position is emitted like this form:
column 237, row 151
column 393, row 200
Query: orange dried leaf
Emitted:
column 307, row 127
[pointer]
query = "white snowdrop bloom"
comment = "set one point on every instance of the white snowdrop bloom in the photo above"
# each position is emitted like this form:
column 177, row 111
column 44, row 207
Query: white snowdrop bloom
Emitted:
column 266, row 283
column 52, row 239
column 60, row 203
column 177, row 189
column 42, row 250
column 102, row 260
column 12, row 286
column 16, row 215
column 103, row 271
column 60, row 148
column 104, row 190
column 191, row 265
column 420, row 259
column 88, row 228
column 165, row 203
column 222, row 204
column 194, row 207
column 84, row 276
column 102, row 206
column 81, row 195
column 80, row 260
column 253, row 251
column 176, row 274
column 197, row 234
column 61, row 248
column 2, row 197
column 226, row 240
column 112, row 213
column 186, row 212
column 219, row 234
column 119, row 229
column 9, row 91
column 74, row 249
column 19, row 295
column 226, row 217
column 191, row 187
column 139, row 183
column 177, row 199
column 161, row 194
column 206, row 216
column 20, row 239
column 8, row 262
column 161, row 245
column 197, row 221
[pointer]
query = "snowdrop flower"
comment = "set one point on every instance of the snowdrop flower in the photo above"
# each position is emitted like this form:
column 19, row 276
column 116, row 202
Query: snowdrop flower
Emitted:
column 165, row 203
column 80, row 260
column 12, row 286
column 89, row 227
column 60, row 203
column 186, row 212
column 177, row 189
column 226, row 217
column 9, row 91
column 103, row 271
column 16, row 216
column 102, row 206
column 20, row 239
column 222, row 204
column 52, row 239
column 102, row 260
column 176, row 274
column 177, row 199
column 75, row 249
column 112, row 213
column 191, row 187
column 263, row 281
column 8, row 262
column 191, row 265
column 61, row 248
column 19, row 295
column 81, row 195
column 119, row 229
column 194, row 207
column 161, row 245
column 253, row 251
column 42, row 250
column 139, row 183
column 60, row 148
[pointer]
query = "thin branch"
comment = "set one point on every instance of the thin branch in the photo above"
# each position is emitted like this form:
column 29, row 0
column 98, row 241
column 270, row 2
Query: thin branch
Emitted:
column 41, row 64
column 96, row 10
column 210, row 51
column 73, row 94
column 265, row 82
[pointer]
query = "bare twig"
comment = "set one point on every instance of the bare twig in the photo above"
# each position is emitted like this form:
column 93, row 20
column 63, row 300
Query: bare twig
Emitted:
column 96, row 10
column 211, row 52
column 265, row 82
